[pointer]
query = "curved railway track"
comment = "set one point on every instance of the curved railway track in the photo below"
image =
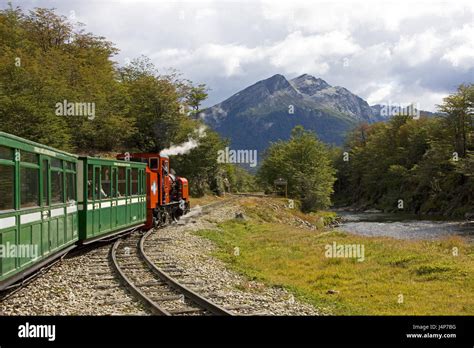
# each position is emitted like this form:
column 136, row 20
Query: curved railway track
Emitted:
column 162, row 280
column 155, row 285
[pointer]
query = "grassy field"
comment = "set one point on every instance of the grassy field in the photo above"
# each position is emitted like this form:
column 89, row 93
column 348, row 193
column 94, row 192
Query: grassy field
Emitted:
column 395, row 277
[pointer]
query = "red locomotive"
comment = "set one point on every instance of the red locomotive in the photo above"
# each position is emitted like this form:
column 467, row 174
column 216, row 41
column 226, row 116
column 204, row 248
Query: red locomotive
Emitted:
column 167, row 194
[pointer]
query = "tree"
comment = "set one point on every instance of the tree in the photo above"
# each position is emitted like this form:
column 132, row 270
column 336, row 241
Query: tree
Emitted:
column 304, row 162
column 458, row 109
column 195, row 96
column 200, row 164
column 44, row 61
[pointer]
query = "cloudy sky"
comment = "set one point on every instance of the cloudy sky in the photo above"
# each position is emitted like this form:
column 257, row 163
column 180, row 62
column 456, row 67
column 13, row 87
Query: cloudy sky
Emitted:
column 384, row 51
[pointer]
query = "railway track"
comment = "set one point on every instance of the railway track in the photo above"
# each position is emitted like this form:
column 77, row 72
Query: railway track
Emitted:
column 155, row 285
column 103, row 275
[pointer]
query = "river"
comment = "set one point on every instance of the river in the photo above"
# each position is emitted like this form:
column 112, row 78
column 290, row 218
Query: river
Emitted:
column 403, row 226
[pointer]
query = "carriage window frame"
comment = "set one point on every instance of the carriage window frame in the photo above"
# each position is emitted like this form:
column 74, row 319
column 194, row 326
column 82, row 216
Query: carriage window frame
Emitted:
column 6, row 158
column 122, row 182
column 90, row 182
column 26, row 157
column 70, row 169
column 134, row 184
column 103, row 183
column 55, row 169
column 30, row 165
column 113, row 182
column 9, row 163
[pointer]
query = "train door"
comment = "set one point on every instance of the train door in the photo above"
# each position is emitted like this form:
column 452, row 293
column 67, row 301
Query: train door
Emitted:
column 96, row 201
column 45, row 204
column 129, row 196
column 121, row 207
column 113, row 208
column 57, row 217
column 105, row 199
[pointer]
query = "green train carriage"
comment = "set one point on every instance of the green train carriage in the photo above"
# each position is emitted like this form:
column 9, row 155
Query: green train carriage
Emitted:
column 112, row 197
column 38, row 206
column 51, row 200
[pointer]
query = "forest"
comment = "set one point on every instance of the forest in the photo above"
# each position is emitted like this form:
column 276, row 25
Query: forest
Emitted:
column 422, row 166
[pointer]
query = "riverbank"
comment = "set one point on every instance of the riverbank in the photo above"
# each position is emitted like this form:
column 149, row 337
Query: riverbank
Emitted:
column 405, row 226
column 344, row 273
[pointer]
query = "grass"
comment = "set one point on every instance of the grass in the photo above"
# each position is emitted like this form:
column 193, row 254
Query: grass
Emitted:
column 425, row 274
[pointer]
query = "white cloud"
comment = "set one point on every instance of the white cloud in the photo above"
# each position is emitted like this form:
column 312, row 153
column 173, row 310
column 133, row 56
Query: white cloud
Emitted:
column 313, row 53
column 461, row 53
column 380, row 93
column 294, row 54
column 378, row 49
column 418, row 48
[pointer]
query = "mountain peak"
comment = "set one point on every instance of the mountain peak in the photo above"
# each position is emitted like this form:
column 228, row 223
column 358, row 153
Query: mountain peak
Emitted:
column 275, row 83
column 308, row 84
column 260, row 114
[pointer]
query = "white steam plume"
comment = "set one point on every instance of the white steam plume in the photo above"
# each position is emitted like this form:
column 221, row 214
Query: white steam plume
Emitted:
column 184, row 148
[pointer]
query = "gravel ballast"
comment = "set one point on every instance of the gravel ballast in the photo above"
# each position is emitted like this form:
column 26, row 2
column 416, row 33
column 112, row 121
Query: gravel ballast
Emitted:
column 85, row 284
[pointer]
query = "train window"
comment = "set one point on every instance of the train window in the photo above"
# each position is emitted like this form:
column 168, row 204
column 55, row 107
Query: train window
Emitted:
column 56, row 163
column 70, row 187
column 105, row 192
column 57, row 188
column 89, row 182
column 97, row 183
column 70, row 166
column 29, row 157
column 134, row 181
column 29, row 187
column 45, row 183
column 114, row 183
column 7, row 187
column 154, row 163
column 6, row 153
column 122, row 182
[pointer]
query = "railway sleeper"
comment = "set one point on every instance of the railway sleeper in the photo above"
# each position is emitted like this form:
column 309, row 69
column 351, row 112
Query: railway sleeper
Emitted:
column 152, row 283
column 187, row 311
column 168, row 298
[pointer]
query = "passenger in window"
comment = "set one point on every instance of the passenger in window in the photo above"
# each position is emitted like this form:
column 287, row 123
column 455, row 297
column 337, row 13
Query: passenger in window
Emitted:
column 102, row 192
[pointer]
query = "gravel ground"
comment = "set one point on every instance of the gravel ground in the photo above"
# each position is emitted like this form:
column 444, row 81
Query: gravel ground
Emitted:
column 86, row 285
column 81, row 285
column 223, row 286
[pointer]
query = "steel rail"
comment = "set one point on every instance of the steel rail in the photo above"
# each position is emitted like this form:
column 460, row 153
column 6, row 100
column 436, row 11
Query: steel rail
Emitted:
column 149, row 303
column 188, row 293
